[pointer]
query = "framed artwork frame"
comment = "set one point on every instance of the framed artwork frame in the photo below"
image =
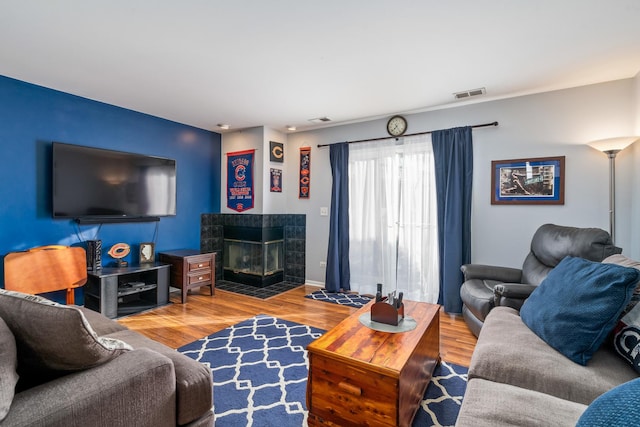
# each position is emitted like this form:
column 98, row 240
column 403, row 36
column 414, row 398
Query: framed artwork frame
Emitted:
column 276, row 180
column 147, row 253
column 276, row 152
column 529, row 181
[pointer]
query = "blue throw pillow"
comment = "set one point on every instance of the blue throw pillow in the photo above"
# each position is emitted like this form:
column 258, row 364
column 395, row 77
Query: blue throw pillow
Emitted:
column 578, row 304
column 617, row 407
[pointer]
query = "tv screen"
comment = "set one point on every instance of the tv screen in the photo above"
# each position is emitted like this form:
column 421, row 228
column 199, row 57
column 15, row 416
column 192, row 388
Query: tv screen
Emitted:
column 95, row 183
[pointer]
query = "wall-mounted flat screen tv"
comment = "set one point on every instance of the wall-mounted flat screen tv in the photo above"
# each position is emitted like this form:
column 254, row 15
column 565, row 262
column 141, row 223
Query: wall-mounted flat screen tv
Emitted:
column 93, row 184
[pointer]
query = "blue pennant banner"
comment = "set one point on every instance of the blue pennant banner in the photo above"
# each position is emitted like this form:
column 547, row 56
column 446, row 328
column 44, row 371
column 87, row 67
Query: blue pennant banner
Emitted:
column 240, row 180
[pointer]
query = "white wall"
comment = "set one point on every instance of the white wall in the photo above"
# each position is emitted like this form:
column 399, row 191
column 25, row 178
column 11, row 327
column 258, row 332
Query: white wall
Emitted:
column 274, row 203
column 320, row 193
column 265, row 202
column 636, row 104
column 557, row 123
column 634, row 214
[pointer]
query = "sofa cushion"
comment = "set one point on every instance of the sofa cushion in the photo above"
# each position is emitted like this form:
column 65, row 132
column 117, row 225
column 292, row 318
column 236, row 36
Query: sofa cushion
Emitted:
column 8, row 364
column 509, row 352
column 577, row 305
column 619, row 259
column 490, row 404
column 627, row 337
column 53, row 337
column 101, row 324
column 136, row 389
column 617, row 407
column 194, row 384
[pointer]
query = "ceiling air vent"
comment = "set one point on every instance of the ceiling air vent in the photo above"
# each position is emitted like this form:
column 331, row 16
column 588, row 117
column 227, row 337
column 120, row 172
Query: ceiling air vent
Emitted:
column 470, row 93
column 320, row 120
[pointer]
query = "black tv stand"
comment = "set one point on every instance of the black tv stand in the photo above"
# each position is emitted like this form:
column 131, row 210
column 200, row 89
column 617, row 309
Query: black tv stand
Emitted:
column 120, row 291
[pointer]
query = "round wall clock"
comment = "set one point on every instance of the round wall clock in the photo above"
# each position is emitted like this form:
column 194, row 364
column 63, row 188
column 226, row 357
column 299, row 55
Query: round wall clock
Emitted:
column 397, row 126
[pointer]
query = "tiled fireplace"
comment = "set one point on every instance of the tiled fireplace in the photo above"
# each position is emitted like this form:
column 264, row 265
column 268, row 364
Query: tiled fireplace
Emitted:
column 257, row 250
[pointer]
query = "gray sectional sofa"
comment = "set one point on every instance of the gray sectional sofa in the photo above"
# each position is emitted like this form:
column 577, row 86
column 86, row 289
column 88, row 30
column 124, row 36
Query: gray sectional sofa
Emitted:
column 516, row 378
column 69, row 366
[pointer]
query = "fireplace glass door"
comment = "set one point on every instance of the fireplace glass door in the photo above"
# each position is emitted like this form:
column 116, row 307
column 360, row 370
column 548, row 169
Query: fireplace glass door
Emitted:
column 255, row 258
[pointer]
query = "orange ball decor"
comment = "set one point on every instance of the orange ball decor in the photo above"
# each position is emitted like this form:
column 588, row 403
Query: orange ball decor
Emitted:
column 119, row 251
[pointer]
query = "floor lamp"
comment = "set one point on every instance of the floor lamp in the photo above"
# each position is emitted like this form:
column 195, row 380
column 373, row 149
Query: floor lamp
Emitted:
column 611, row 147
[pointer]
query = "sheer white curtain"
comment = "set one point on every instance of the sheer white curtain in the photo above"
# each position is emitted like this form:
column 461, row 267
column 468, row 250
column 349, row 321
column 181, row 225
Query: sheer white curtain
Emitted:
column 393, row 218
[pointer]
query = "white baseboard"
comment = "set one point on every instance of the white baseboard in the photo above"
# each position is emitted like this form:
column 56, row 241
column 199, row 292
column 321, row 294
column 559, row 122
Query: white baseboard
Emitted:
column 314, row 283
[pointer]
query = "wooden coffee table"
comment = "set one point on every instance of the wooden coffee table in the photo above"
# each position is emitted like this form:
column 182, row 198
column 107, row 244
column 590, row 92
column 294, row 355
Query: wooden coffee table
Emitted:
column 359, row 376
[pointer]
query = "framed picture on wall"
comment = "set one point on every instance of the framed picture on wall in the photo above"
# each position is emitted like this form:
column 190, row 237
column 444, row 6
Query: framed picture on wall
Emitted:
column 147, row 252
column 533, row 181
column 276, row 153
column 276, row 181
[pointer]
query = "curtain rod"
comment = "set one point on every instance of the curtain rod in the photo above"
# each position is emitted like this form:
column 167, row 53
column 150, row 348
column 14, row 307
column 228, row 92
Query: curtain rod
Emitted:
column 402, row 136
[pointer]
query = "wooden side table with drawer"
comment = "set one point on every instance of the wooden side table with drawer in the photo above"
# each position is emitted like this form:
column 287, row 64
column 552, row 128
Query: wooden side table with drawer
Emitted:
column 190, row 268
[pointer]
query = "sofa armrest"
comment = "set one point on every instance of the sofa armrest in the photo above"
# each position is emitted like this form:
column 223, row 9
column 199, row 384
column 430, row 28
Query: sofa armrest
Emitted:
column 490, row 272
column 136, row 388
column 194, row 381
column 511, row 294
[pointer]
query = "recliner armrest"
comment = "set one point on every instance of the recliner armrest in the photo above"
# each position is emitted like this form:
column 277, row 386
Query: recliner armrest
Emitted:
column 511, row 294
column 490, row 272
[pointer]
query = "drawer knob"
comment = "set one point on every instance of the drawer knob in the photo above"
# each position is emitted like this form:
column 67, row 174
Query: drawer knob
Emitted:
column 200, row 278
column 349, row 388
column 200, row 265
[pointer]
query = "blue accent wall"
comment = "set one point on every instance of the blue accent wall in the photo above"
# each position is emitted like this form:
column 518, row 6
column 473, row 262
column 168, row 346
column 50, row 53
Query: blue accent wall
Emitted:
column 32, row 117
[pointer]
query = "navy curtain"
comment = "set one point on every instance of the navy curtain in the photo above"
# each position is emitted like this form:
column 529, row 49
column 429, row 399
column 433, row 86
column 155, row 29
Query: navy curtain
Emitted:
column 337, row 273
column 453, row 157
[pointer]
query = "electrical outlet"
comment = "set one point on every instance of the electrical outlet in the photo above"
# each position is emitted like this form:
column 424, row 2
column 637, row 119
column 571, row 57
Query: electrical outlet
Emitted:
column 323, row 264
column 324, row 211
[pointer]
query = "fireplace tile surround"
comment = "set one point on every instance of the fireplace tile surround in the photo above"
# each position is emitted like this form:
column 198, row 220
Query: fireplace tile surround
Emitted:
column 294, row 227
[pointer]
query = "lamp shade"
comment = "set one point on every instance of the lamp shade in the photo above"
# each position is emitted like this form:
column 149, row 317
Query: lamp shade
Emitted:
column 613, row 144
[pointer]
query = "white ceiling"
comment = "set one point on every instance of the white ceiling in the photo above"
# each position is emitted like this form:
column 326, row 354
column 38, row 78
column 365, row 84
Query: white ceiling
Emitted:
column 282, row 62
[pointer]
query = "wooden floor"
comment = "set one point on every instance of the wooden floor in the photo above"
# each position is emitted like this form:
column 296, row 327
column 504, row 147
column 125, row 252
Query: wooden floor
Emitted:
column 178, row 324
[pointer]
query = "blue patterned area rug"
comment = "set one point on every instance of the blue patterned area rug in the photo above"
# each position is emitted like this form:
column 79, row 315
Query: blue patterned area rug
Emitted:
column 443, row 397
column 260, row 371
column 342, row 298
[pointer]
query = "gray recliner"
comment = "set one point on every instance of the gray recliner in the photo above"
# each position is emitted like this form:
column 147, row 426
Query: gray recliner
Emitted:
column 486, row 286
